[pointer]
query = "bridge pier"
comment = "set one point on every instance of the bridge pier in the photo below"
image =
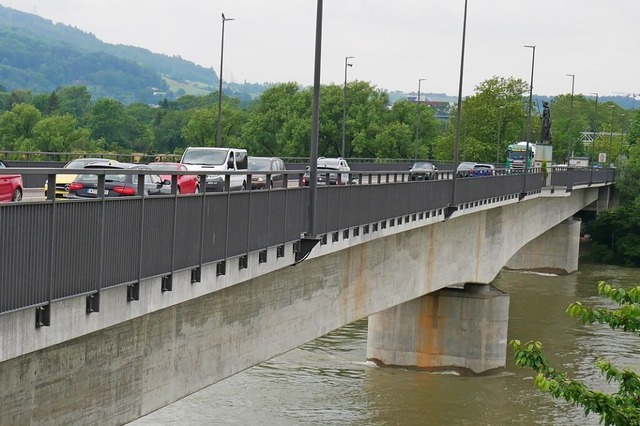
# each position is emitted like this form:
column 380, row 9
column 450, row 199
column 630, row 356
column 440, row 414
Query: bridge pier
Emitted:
column 451, row 329
column 556, row 250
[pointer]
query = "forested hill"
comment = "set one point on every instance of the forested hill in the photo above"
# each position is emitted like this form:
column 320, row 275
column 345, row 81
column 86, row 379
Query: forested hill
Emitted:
column 38, row 55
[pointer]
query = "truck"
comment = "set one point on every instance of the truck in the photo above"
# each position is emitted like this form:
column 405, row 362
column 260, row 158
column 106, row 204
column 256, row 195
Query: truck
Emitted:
column 517, row 153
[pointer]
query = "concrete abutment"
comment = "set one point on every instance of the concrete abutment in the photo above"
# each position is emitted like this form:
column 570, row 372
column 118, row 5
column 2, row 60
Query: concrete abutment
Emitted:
column 556, row 250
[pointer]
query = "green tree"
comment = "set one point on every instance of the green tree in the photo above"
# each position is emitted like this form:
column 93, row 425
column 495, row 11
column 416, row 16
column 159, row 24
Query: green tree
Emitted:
column 620, row 408
column 59, row 133
column 492, row 118
column 74, row 100
column 201, row 129
column 16, row 127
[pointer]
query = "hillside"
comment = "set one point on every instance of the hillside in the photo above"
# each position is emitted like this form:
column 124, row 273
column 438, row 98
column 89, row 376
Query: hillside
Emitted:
column 38, row 55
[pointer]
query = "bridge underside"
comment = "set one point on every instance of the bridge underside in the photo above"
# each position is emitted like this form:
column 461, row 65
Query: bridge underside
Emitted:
column 127, row 370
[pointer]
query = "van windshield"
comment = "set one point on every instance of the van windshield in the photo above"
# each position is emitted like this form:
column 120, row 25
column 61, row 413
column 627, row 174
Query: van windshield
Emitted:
column 204, row 157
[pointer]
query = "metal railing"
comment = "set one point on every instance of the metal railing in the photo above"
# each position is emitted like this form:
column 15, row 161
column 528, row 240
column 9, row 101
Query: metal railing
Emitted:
column 52, row 249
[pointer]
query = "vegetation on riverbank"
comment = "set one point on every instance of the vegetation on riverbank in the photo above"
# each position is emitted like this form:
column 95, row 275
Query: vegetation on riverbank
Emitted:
column 619, row 408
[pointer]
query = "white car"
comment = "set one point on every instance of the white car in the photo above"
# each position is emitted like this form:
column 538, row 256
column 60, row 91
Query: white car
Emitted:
column 339, row 164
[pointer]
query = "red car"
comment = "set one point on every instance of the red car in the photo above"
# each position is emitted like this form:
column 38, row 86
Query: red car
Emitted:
column 11, row 188
column 187, row 184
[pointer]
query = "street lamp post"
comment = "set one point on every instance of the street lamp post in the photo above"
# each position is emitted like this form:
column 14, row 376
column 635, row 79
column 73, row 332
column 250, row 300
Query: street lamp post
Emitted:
column 452, row 207
column 219, row 128
column 499, row 131
column 344, row 104
column 595, row 129
column 570, row 142
column 621, row 140
column 611, row 134
column 526, row 162
column 415, row 155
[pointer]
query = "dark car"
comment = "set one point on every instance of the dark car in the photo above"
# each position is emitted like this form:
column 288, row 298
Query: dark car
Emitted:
column 117, row 184
column 187, row 184
column 11, row 187
column 327, row 176
column 423, row 170
column 271, row 165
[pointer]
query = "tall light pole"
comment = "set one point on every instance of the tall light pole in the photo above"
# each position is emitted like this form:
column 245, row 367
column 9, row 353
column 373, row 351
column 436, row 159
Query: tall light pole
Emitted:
column 570, row 142
column 344, row 103
column 415, row 155
column 526, row 162
column 452, row 207
column 315, row 125
column 621, row 140
column 611, row 134
column 595, row 129
column 499, row 131
column 219, row 128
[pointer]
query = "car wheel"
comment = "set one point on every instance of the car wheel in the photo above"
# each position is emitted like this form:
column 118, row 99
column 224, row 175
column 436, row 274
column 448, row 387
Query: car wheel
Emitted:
column 244, row 186
column 17, row 195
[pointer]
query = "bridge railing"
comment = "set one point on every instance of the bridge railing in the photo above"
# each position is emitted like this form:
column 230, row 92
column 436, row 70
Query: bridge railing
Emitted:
column 52, row 249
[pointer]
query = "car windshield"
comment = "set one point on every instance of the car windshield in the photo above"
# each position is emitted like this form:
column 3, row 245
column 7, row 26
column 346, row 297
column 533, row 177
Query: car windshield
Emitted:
column 466, row 165
column 517, row 155
column 204, row 157
column 107, row 178
column 259, row 163
column 423, row 166
column 81, row 162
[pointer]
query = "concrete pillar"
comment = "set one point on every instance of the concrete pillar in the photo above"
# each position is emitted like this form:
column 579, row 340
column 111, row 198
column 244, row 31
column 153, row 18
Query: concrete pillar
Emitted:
column 556, row 250
column 463, row 330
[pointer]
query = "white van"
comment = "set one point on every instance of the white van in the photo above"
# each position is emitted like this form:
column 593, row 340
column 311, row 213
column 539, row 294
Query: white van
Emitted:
column 218, row 159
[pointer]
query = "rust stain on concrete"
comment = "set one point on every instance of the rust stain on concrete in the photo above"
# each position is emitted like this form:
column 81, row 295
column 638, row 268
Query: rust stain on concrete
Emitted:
column 429, row 346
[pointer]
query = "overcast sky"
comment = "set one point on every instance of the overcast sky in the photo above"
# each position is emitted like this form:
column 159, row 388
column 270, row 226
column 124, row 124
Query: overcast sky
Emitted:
column 395, row 43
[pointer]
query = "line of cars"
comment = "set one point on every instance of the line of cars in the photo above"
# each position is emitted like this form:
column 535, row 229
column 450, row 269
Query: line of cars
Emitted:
column 213, row 161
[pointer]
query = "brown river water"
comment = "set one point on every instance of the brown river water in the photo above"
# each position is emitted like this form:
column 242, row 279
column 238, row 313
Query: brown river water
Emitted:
column 328, row 381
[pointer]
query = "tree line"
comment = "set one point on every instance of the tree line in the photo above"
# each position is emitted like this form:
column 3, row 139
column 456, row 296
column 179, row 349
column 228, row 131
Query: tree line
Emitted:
column 278, row 123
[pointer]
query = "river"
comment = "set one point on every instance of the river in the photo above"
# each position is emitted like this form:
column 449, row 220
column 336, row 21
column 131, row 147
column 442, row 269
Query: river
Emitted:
column 328, row 381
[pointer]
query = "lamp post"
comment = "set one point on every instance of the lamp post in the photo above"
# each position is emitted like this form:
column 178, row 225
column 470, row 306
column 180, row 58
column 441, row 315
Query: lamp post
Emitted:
column 595, row 128
column 315, row 124
column 415, row 155
column 344, row 103
column 611, row 133
column 570, row 142
column 452, row 207
column 219, row 128
column 499, row 131
column 621, row 140
column 526, row 162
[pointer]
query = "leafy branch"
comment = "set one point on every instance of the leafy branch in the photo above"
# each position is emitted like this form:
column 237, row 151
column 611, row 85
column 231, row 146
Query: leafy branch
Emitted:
column 618, row 408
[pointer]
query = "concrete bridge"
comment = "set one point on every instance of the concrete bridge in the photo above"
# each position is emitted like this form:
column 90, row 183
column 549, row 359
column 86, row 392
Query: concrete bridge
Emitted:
column 111, row 309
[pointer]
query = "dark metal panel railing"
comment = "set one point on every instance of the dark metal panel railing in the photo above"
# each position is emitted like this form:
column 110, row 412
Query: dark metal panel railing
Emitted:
column 188, row 231
column 56, row 249
column 24, row 256
column 75, row 248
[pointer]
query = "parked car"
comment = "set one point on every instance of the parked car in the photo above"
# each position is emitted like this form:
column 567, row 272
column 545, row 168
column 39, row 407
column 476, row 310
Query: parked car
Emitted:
column 273, row 165
column 465, row 169
column 187, row 184
column 117, row 184
column 484, row 170
column 423, row 170
column 11, row 186
column 63, row 180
